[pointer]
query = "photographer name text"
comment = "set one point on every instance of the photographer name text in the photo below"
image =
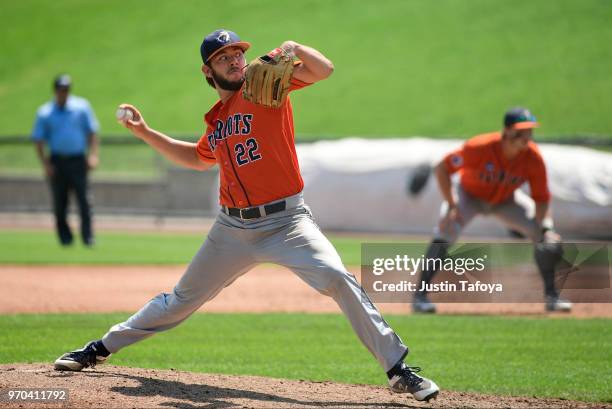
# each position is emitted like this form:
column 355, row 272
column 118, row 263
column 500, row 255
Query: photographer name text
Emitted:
column 444, row 286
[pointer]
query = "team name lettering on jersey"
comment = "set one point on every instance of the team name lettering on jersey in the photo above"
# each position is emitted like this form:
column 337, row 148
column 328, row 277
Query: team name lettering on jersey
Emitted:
column 237, row 124
column 500, row 177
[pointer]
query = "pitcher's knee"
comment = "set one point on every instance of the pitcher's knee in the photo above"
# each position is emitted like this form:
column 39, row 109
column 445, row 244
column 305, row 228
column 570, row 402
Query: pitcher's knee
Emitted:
column 162, row 302
column 178, row 300
column 172, row 303
column 162, row 312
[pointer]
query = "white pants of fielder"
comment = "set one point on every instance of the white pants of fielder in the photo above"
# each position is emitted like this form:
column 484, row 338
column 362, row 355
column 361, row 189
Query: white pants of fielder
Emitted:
column 289, row 238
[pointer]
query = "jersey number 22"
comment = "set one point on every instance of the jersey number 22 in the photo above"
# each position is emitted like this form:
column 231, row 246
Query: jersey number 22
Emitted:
column 246, row 152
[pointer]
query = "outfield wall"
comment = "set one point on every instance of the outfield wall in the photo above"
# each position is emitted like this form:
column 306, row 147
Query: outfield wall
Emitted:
column 366, row 185
column 179, row 192
column 357, row 185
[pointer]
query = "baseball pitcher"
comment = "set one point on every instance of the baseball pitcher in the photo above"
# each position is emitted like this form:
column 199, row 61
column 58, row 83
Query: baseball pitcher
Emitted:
column 263, row 218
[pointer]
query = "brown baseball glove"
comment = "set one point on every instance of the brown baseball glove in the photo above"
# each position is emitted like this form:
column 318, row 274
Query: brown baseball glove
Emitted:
column 267, row 79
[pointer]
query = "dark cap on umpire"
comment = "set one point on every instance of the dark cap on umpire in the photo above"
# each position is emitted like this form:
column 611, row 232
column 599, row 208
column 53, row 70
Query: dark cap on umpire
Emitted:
column 218, row 40
column 62, row 81
column 520, row 118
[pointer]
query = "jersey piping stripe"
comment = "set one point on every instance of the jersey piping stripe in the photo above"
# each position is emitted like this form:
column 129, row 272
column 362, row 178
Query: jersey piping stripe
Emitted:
column 231, row 160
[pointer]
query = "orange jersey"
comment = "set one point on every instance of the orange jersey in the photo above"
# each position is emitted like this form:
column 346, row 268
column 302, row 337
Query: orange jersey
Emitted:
column 254, row 147
column 487, row 175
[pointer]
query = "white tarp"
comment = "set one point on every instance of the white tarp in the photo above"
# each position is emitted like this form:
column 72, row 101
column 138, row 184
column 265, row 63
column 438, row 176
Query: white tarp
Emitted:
column 363, row 185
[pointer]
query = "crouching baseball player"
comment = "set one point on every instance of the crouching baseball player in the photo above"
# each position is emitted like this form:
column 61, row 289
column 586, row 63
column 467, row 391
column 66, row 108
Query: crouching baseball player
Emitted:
column 492, row 167
column 263, row 218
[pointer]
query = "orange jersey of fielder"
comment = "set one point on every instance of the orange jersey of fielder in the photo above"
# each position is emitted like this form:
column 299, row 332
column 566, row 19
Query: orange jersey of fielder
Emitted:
column 254, row 147
column 486, row 174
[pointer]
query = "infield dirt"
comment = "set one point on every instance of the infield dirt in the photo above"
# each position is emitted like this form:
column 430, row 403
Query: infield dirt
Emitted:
column 267, row 288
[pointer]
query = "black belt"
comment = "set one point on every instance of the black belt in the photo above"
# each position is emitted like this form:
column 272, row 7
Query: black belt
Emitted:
column 255, row 212
column 67, row 157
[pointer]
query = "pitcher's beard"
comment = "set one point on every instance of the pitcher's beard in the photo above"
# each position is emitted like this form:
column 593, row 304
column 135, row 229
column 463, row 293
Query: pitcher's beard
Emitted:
column 226, row 84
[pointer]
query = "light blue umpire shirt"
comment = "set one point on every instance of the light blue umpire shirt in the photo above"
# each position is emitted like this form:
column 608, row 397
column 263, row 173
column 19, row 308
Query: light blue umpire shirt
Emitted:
column 65, row 130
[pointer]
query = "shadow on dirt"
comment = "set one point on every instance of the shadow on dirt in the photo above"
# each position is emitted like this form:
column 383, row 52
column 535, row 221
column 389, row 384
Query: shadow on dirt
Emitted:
column 198, row 395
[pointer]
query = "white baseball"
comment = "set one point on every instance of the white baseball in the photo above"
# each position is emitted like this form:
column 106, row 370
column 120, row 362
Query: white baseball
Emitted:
column 124, row 114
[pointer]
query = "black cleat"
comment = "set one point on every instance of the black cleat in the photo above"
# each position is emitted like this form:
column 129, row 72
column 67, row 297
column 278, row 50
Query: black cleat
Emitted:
column 556, row 304
column 81, row 358
column 407, row 381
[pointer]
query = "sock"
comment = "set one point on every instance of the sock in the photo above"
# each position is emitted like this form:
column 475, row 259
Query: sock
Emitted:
column 396, row 370
column 100, row 348
column 438, row 249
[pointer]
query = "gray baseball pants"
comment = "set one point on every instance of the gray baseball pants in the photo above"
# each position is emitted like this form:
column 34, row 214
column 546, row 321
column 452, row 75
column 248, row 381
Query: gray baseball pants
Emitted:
column 516, row 213
column 289, row 238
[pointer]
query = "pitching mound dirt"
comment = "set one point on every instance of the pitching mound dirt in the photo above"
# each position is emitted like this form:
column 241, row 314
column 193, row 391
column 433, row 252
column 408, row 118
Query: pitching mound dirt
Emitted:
column 120, row 387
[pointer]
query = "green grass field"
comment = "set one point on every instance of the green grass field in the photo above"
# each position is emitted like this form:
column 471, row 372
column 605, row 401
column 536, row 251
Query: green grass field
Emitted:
column 563, row 358
column 41, row 247
column 443, row 68
column 38, row 247
column 117, row 162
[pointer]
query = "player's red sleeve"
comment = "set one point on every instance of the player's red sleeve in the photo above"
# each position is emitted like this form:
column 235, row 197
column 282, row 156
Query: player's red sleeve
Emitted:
column 538, row 182
column 454, row 160
column 203, row 149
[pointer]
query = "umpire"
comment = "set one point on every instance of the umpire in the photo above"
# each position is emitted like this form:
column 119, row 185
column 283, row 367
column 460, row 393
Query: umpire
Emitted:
column 67, row 146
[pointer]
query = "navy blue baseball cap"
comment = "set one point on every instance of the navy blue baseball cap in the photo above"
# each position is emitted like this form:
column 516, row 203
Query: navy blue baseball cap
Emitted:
column 218, row 40
column 62, row 81
column 520, row 118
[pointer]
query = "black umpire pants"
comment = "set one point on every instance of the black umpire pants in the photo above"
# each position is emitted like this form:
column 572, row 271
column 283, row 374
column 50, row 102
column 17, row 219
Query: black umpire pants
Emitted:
column 70, row 174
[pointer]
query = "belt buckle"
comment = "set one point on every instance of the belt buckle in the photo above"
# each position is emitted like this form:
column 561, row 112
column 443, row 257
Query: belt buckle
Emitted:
column 247, row 209
column 243, row 210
